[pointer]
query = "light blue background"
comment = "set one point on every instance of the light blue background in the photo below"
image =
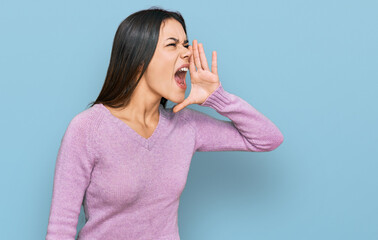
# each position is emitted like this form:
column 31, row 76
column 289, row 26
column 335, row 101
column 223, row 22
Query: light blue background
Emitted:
column 309, row 66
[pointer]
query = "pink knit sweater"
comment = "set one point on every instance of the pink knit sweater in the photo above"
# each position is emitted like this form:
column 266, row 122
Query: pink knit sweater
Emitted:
column 130, row 186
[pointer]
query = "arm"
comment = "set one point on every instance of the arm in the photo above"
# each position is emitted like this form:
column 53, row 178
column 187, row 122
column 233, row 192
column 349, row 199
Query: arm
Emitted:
column 248, row 130
column 72, row 175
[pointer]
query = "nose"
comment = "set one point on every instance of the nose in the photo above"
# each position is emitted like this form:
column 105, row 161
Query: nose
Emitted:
column 187, row 53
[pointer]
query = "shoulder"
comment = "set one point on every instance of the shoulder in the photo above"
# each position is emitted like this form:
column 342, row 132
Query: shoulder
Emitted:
column 194, row 117
column 188, row 116
column 78, row 136
column 85, row 122
column 182, row 117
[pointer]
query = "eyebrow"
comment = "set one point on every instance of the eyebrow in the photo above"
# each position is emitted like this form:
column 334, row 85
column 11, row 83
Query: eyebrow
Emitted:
column 176, row 40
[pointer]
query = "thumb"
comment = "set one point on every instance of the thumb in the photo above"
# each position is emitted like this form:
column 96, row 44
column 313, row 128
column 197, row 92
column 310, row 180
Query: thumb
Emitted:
column 180, row 106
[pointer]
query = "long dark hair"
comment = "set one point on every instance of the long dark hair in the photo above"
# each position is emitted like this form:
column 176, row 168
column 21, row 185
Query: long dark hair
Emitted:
column 133, row 47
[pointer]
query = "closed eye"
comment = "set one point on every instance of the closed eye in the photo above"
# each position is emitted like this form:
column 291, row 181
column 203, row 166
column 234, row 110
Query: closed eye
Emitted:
column 174, row 44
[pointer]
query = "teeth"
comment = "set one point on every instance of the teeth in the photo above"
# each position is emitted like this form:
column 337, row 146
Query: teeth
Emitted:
column 183, row 69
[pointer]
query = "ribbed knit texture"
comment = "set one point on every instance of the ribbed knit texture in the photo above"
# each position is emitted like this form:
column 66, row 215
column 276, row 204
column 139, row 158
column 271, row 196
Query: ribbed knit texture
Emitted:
column 130, row 186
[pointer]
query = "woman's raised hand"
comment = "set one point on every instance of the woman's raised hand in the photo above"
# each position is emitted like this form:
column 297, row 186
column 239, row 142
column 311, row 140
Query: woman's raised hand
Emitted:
column 203, row 81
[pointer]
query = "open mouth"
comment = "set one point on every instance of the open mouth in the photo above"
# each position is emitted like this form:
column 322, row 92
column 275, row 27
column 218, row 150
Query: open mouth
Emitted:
column 180, row 77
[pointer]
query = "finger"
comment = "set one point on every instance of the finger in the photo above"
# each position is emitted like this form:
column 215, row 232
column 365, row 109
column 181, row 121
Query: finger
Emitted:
column 214, row 64
column 203, row 57
column 181, row 105
column 192, row 67
column 196, row 55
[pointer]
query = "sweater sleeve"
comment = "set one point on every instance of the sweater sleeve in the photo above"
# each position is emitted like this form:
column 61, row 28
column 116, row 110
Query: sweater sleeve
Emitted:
column 248, row 130
column 73, row 168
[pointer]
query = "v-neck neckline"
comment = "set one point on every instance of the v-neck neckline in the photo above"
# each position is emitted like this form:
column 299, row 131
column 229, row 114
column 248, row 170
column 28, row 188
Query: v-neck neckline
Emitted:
column 145, row 142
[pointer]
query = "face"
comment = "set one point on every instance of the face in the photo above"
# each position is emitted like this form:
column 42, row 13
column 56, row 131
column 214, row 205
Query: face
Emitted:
column 168, row 57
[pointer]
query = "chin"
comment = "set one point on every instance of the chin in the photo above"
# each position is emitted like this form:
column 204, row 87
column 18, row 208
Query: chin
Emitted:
column 178, row 98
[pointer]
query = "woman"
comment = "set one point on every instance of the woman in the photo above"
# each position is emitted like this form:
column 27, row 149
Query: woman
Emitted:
column 126, row 158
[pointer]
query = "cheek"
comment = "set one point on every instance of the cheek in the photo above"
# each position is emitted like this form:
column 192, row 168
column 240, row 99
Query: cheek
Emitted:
column 159, row 77
column 162, row 70
column 161, row 74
